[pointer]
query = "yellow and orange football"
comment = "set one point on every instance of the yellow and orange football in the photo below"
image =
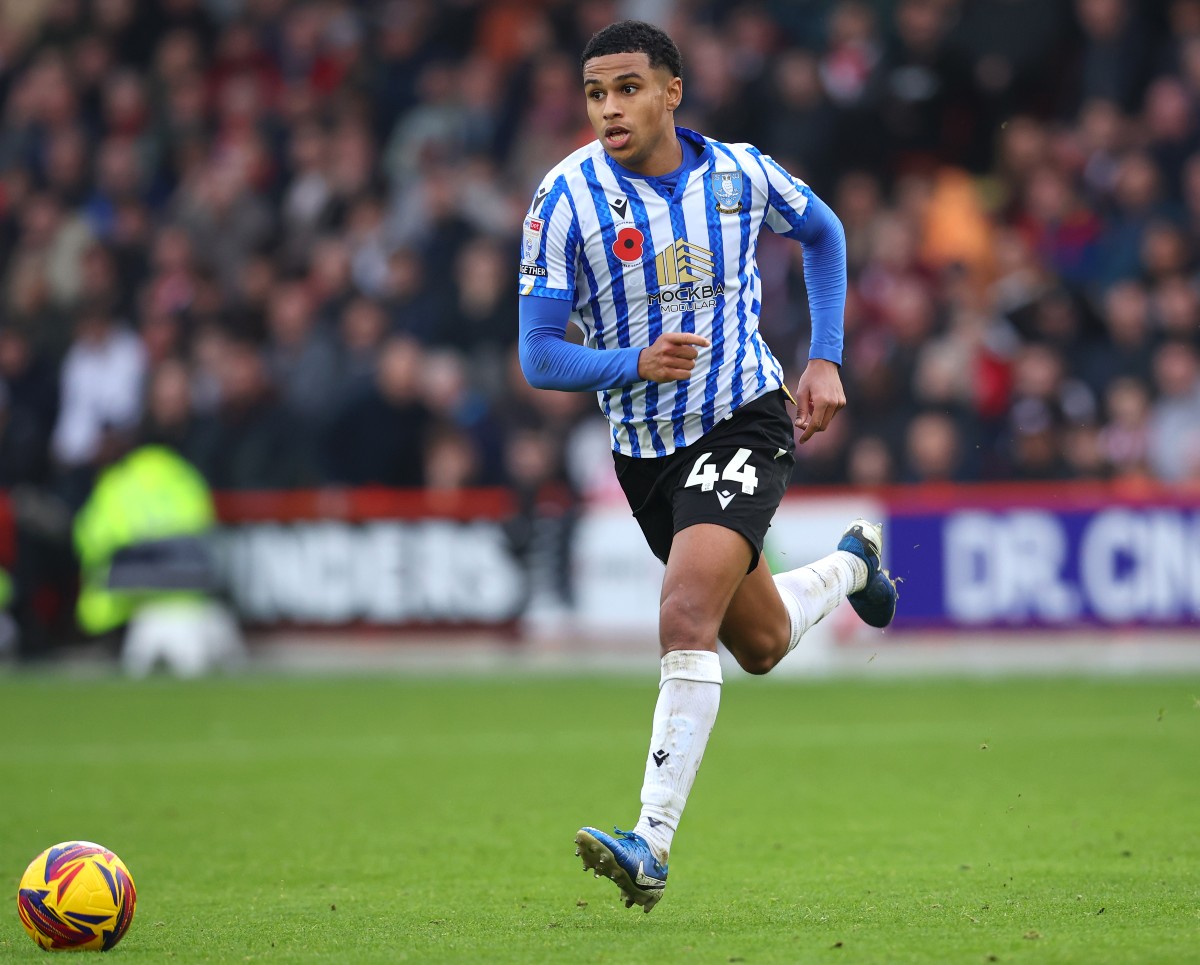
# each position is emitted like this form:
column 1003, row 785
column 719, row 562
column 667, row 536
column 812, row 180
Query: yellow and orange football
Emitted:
column 76, row 896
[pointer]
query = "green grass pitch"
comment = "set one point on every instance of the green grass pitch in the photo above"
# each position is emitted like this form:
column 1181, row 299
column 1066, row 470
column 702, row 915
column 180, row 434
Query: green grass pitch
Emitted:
column 431, row 820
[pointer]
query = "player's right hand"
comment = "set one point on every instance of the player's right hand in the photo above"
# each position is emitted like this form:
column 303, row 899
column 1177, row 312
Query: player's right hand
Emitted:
column 671, row 358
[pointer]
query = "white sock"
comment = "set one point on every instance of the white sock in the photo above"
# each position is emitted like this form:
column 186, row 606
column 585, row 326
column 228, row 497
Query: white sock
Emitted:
column 689, row 694
column 811, row 592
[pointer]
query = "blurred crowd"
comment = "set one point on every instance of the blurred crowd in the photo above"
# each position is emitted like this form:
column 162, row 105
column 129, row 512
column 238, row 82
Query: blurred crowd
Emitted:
column 280, row 236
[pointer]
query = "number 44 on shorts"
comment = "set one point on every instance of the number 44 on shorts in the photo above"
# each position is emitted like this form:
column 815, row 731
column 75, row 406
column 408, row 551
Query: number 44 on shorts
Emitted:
column 705, row 476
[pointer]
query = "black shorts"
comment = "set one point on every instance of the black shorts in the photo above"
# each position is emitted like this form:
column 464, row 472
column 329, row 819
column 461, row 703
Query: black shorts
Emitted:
column 733, row 476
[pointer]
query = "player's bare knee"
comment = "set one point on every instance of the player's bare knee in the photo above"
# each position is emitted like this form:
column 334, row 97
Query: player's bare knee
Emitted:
column 757, row 657
column 756, row 647
column 757, row 663
column 684, row 621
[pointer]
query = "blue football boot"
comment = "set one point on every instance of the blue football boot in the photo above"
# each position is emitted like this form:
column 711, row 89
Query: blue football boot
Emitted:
column 876, row 602
column 626, row 858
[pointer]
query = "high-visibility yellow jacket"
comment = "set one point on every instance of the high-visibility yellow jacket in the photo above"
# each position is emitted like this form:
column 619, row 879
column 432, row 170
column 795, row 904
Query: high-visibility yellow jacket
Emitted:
column 152, row 493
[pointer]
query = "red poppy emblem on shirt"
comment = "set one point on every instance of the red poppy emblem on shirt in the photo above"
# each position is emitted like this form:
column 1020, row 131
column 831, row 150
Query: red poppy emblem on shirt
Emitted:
column 628, row 246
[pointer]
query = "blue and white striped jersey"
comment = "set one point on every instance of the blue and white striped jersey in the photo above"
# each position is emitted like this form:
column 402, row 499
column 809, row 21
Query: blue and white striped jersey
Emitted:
column 636, row 259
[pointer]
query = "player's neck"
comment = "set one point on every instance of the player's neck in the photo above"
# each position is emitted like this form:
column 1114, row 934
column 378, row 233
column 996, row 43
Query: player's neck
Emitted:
column 676, row 156
column 667, row 160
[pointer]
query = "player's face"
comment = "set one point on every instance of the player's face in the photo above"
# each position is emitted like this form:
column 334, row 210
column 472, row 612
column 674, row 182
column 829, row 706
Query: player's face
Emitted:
column 631, row 106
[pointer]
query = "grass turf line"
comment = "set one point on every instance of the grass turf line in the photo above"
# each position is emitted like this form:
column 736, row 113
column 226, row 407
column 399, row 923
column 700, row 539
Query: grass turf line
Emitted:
column 296, row 820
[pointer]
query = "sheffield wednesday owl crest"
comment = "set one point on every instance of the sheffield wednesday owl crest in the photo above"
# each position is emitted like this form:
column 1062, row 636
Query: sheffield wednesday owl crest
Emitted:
column 727, row 190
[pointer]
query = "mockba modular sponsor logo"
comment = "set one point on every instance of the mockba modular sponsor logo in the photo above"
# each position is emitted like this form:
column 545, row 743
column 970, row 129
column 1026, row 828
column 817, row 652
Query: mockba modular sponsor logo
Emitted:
column 679, row 270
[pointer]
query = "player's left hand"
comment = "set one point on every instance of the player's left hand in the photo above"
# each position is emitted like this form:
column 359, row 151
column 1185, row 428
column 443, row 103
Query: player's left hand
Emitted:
column 819, row 395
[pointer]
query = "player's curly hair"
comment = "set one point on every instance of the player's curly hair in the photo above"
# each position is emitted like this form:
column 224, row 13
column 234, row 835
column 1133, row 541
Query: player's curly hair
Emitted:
column 635, row 37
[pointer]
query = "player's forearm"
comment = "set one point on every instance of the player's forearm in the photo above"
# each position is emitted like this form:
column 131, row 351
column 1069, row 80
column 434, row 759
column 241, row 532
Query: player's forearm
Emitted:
column 550, row 362
column 824, row 243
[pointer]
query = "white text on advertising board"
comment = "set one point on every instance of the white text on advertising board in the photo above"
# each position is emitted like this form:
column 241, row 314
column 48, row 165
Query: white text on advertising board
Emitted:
column 382, row 572
column 1116, row 565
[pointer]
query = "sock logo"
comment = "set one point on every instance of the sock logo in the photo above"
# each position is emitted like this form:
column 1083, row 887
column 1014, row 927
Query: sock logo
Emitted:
column 660, row 758
column 653, row 822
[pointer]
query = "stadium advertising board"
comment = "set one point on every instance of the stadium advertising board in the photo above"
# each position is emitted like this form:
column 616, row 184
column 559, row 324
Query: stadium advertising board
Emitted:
column 1003, row 558
column 370, row 558
column 1039, row 558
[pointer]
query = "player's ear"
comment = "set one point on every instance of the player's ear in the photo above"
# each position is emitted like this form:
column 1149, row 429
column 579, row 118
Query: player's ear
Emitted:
column 674, row 93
